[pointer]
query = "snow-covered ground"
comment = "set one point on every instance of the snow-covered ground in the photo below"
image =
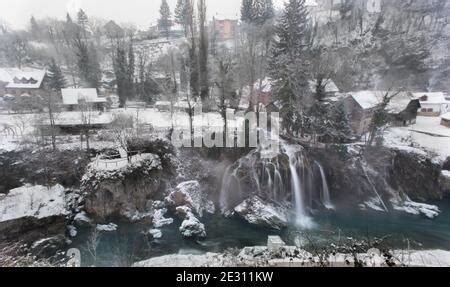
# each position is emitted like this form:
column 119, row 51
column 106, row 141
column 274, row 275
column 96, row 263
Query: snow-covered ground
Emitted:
column 33, row 201
column 14, row 128
column 427, row 136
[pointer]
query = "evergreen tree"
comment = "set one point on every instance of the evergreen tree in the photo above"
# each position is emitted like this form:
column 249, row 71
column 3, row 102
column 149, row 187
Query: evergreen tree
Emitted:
column 181, row 14
column 56, row 80
column 321, row 124
column 203, row 52
column 247, row 11
column 121, row 73
column 289, row 64
column 87, row 62
column 82, row 21
column 35, row 28
column 257, row 12
column 165, row 22
column 131, row 70
column 69, row 19
column 269, row 10
column 95, row 71
column 341, row 123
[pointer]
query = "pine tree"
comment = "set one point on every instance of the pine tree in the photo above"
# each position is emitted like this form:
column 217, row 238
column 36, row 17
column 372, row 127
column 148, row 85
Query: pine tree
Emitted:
column 56, row 80
column 247, row 11
column 257, row 12
column 120, row 71
column 289, row 64
column 318, row 111
column 341, row 123
column 95, row 71
column 88, row 63
column 269, row 10
column 181, row 14
column 203, row 51
column 131, row 70
column 35, row 28
column 82, row 19
column 165, row 22
column 69, row 19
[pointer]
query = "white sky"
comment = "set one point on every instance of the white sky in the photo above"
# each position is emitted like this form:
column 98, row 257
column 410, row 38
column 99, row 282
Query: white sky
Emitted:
column 142, row 13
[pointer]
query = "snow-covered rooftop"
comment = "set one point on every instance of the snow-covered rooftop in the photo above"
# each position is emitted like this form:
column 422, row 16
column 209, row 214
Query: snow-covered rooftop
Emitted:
column 400, row 102
column 367, row 99
column 446, row 116
column 330, row 86
column 73, row 96
column 26, row 78
column 432, row 98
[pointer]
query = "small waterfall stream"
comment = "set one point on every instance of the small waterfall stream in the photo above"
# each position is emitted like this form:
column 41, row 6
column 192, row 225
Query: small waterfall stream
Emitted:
column 325, row 195
column 287, row 179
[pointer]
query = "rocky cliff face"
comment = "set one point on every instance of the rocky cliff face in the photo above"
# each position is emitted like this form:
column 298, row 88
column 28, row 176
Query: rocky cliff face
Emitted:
column 391, row 175
column 401, row 43
column 123, row 191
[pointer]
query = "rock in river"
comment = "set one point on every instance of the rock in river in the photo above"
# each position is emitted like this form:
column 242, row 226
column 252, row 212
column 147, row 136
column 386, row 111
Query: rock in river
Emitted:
column 255, row 211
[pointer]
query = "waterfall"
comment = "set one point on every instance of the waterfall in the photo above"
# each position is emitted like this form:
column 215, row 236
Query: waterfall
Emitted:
column 325, row 195
column 285, row 178
column 301, row 219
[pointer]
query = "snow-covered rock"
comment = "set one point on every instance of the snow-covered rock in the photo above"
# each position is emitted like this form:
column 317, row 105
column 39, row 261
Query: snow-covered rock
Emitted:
column 121, row 191
column 408, row 206
column 159, row 220
column 48, row 247
column 445, row 179
column 33, row 208
column 177, row 260
column 255, row 211
column 191, row 227
column 107, row 227
column 72, row 230
column 183, row 211
column 82, row 218
column 155, row 233
column 33, row 201
column 190, row 194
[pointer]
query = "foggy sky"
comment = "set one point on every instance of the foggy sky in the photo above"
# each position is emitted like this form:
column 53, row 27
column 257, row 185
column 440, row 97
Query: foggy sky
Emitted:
column 142, row 13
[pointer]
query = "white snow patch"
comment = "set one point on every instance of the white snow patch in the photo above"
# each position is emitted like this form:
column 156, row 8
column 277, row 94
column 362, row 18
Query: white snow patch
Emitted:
column 33, row 201
column 155, row 233
column 411, row 207
column 107, row 228
column 374, row 204
column 159, row 220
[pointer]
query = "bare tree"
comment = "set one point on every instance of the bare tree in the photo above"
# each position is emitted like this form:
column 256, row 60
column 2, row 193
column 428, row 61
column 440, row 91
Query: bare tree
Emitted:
column 380, row 116
column 122, row 130
column 93, row 242
column 86, row 112
column 17, row 50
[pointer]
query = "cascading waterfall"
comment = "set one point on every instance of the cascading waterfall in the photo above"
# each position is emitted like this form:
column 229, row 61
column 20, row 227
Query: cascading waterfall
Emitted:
column 325, row 195
column 287, row 179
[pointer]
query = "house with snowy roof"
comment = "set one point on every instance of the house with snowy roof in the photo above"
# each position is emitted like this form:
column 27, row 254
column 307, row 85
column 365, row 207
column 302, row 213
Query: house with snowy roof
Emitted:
column 361, row 106
column 329, row 86
column 25, row 81
column 445, row 120
column 403, row 109
column 72, row 99
column 433, row 104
